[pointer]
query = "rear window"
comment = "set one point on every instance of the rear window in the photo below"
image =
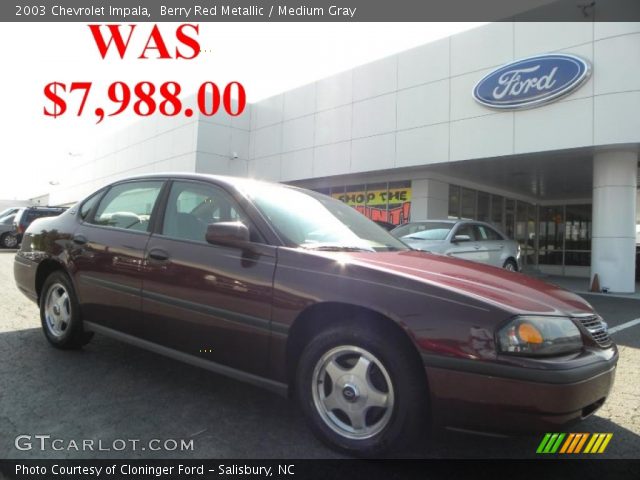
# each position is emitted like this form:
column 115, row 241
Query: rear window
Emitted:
column 35, row 214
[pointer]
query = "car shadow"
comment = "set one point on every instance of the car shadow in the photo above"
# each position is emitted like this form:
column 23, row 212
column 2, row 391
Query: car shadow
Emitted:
column 110, row 390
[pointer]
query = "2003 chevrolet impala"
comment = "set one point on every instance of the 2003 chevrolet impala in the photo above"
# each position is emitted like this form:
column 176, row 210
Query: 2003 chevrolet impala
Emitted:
column 300, row 293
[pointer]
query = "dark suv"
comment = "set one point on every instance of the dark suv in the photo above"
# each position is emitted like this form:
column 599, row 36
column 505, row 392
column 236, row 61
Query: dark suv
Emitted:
column 25, row 216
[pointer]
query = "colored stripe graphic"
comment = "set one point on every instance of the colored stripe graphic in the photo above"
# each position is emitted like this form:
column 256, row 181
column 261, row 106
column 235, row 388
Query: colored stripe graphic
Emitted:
column 550, row 443
column 605, row 443
column 543, row 443
column 553, row 443
column 555, row 447
column 567, row 442
column 598, row 443
column 581, row 443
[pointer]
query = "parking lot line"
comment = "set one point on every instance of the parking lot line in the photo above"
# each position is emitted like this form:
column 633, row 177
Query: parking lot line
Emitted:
column 629, row 324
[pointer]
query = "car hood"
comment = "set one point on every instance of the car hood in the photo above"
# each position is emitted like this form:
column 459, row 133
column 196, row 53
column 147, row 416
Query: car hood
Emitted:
column 508, row 290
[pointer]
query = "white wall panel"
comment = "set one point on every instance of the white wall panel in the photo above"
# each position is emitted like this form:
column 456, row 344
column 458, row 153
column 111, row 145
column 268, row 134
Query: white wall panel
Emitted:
column 424, row 64
column 375, row 78
column 373, row 153
column 374, row 116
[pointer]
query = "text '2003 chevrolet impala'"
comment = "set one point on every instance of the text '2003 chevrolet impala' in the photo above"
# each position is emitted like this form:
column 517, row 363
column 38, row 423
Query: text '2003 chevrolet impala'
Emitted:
column 298, row 292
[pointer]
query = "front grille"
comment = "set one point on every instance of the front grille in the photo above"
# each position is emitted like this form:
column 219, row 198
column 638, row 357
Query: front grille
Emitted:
column 596, row 328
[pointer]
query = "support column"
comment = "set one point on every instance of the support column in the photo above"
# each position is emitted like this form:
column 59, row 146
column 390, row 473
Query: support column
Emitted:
column 614, row 219
column 429, row 199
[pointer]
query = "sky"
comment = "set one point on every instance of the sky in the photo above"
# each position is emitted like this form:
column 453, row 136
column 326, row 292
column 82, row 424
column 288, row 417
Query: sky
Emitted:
column 267, row 58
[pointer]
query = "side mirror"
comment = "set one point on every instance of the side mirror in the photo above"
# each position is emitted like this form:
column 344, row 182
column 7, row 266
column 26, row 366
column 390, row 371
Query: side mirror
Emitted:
column 461, row 238
column 232, row 234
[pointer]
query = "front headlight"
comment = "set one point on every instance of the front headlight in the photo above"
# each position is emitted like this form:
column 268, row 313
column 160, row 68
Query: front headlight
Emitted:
column 539, row 336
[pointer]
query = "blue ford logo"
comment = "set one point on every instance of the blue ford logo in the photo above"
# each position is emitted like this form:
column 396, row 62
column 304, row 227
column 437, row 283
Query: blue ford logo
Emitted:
column 532, row 81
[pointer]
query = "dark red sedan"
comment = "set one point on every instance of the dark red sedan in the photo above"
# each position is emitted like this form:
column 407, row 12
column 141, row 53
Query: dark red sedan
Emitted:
column 297, row 292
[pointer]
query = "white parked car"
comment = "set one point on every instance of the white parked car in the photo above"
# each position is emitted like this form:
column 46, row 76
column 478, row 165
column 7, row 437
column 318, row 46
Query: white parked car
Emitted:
column 466, row 239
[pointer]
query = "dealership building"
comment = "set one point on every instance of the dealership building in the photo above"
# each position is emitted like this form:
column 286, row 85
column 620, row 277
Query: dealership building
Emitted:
column 554, row 163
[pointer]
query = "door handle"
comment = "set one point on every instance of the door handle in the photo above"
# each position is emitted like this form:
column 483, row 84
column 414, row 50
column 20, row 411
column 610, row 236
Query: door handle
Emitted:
column 158, row 254
column 79, row 239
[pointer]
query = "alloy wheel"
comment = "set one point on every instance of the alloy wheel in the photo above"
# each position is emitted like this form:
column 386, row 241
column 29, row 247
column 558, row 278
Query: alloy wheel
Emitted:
column 353, row 392
column 10, row 241
column 57, row 310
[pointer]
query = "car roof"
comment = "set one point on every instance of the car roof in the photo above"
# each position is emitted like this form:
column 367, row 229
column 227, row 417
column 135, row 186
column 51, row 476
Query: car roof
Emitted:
column 224, row 179
column 451, row 221
column 45, row 209
column 445, row 220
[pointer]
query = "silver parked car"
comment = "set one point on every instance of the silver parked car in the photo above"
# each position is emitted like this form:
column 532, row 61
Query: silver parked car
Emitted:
column 9, row 211
column 466, row 239
column 7, row 234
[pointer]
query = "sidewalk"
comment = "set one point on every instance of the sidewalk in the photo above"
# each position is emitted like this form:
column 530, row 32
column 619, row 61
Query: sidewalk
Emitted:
column 581, row 285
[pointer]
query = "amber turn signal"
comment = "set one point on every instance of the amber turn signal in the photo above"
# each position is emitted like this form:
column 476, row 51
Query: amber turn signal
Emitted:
column 530, row 334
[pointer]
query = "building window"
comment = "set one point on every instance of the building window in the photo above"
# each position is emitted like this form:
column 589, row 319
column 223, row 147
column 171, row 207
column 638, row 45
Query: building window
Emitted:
column 484, row 207
column 525, row 231
column 467, row 203
column 551, row 236
column 558, row 235
column 454, row 201
column 510, row 217
column 497, row 211
column 578, row 235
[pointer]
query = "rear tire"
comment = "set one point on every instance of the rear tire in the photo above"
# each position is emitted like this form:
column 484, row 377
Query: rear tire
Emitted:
column 510, row 265
column 362, row 392
column 60, row 313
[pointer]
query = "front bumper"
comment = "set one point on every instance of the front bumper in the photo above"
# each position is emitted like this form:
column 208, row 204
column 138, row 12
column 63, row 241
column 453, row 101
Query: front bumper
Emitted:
column 510, row 402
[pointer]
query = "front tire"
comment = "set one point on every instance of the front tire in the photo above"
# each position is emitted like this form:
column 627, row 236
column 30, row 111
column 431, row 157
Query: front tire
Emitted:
column 510, row 265
column 362, row 392
column 60, row 313
column 8, row 241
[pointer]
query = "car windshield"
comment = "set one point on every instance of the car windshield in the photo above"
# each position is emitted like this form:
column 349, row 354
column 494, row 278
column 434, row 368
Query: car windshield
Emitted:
column 314, row 221
column 8, row 220
column 7, row 212
column 424, row 231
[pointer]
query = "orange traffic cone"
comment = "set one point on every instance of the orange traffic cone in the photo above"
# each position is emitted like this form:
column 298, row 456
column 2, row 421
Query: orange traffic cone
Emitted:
column 595, row 284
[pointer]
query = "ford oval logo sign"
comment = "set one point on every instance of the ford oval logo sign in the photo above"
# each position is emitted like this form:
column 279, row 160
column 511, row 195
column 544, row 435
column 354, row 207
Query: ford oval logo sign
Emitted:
column 532, row 81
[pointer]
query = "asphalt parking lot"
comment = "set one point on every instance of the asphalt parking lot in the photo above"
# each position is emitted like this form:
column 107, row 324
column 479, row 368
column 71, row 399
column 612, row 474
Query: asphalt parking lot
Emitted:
column 112, row 391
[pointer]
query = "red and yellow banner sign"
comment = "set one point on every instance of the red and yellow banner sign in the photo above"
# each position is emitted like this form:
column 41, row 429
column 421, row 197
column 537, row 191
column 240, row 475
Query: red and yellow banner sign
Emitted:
column 375, row 198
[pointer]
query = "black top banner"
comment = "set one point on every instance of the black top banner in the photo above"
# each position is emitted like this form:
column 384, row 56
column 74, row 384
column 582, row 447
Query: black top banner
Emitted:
column 319, row 10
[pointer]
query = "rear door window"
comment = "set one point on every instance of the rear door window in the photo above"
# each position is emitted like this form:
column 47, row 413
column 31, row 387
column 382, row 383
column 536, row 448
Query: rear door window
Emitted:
column 484, row 233
column 467, row 230
column 128, row 205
